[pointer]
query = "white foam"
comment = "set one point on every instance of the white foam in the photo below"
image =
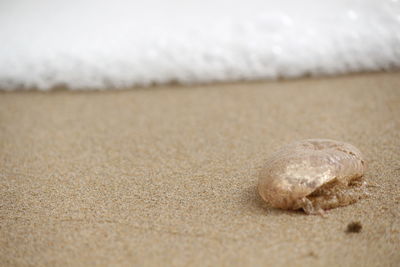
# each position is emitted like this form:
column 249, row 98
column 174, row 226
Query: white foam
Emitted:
column 99, row 44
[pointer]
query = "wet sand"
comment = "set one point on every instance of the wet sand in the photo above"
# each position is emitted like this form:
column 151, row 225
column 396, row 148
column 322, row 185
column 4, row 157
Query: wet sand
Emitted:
column 167, row 175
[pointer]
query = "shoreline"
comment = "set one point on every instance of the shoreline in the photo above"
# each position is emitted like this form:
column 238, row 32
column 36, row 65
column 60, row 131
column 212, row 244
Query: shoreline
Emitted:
column 168, row 175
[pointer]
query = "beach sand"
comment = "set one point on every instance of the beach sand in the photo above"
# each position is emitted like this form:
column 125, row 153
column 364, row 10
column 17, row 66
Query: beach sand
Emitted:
column 167, row 175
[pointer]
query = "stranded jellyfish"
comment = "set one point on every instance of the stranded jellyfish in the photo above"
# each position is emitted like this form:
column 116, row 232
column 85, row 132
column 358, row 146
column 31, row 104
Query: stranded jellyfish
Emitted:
column 313, row 175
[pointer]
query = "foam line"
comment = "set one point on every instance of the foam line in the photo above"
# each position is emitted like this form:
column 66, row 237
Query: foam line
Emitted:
column 98, row 44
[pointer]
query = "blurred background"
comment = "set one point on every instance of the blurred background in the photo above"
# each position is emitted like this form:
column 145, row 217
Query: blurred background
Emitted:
column 104, row 44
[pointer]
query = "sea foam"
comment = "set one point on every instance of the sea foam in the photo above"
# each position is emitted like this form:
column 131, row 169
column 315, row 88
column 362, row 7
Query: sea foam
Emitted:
column 98, row 44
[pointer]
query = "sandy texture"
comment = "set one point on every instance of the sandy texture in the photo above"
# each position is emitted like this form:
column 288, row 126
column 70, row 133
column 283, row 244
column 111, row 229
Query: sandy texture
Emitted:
column 168, row 175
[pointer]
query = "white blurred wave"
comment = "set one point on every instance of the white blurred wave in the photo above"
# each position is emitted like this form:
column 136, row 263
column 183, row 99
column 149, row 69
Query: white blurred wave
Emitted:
column 102, row 44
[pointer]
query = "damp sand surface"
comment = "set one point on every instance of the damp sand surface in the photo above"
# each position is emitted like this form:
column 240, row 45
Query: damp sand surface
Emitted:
column 168, row 175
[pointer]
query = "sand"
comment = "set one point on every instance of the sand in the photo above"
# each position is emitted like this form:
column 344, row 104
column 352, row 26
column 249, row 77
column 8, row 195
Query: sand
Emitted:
column 167, row 175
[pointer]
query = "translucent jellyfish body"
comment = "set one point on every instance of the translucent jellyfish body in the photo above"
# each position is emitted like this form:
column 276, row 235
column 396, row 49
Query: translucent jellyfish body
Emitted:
column 313, row 175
